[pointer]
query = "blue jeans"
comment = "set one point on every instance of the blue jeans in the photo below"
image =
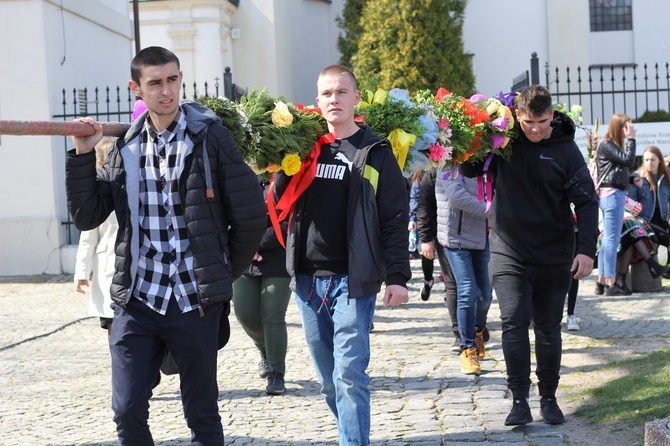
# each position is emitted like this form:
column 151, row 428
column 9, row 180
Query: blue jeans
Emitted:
column 471, row 271
column 337, row 330
column 612, row 208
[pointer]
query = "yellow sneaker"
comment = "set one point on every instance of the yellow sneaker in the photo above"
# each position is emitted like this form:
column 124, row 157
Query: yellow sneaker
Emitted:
column 470, row 362
column 481, row 345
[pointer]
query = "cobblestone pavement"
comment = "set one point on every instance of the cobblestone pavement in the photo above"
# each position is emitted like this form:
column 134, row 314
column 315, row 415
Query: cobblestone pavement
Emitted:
column 55, row 377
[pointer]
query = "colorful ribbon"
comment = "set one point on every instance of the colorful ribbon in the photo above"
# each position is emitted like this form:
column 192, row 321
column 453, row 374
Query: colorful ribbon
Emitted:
column 298, row 184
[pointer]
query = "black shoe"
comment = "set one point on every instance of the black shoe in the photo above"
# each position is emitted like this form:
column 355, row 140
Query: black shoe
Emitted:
column 626, row 291
column 263, row 366
column 600, row 289
column 614, row 290
column 157, row 381
column 520, row 414
column 551, row 413
column 275, row 384
column 425, row 290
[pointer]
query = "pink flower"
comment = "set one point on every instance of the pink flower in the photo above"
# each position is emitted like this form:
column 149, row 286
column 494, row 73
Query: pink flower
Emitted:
column 444, row 123
column 500, row 123
column 436, row 152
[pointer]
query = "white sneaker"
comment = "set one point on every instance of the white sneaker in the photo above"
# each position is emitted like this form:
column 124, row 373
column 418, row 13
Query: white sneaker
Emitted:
column 573, row 325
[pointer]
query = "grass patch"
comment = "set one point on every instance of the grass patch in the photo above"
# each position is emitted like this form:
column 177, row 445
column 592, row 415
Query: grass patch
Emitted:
column 641, row 395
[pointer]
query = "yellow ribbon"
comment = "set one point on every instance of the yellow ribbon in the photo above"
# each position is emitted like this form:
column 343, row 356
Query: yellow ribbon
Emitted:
column 401, row 142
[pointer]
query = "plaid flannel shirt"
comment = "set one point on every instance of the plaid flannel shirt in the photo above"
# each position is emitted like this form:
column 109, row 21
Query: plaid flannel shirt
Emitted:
column 165, row 266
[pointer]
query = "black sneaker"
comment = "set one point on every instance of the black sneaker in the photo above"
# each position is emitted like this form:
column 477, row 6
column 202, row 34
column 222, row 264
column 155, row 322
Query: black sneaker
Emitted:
column 275, row 384
column 263, row 366
column 520, row 414
column 615, row 290
column 551, row 413
column 600, row 289
column 425, row 290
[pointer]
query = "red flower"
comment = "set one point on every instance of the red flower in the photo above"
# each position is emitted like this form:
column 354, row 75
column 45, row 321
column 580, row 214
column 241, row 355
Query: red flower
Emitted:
column 360, row 118
column 441, row 93
column 304, row 109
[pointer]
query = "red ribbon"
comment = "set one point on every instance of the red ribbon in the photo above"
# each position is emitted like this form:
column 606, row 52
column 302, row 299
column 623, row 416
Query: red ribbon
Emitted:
column 298, row 184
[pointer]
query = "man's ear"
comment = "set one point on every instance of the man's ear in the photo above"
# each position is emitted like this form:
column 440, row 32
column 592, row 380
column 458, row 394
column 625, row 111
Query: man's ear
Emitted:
column 134, row 88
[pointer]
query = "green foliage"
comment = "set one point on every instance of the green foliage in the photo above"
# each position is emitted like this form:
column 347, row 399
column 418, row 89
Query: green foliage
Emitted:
column 654, row 116
column 269, row 142
column 349, row 22
column 393, row 114
column 413, row 44
column 231, row 117
column 641, row 395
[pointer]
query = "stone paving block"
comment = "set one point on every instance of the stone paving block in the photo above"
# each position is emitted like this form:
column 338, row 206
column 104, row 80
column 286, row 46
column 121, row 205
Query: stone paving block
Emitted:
column 55, row 389
column 465, row 434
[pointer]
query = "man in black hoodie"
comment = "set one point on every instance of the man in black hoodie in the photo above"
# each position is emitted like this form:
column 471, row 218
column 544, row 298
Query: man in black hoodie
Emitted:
column 532, row 244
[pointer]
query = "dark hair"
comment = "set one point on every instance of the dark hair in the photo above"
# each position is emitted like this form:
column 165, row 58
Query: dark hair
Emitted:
column 338, row 70
column 150, row 56
column 534, row 100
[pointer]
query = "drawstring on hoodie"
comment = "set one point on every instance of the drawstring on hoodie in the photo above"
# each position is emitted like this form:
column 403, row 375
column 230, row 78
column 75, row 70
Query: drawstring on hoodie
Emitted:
column 208, row 171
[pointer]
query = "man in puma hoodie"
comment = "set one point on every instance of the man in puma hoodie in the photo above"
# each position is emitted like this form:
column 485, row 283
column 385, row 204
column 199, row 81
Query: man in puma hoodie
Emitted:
column 532, row 244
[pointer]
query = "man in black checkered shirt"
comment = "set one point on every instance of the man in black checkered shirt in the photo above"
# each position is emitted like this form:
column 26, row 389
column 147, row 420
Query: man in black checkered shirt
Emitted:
column 191, row 216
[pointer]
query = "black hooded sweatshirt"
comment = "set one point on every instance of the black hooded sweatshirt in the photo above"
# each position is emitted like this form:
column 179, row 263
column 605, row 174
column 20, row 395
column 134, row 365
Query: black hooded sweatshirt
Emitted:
column 531, row 219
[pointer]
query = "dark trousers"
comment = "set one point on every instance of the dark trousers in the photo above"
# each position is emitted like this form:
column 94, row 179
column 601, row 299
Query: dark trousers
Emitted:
column 138, row 343
column 451, row 292
column 530, row 293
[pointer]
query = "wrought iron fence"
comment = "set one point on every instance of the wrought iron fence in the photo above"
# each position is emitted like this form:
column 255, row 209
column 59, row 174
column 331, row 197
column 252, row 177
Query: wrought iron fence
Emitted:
column 608, row 89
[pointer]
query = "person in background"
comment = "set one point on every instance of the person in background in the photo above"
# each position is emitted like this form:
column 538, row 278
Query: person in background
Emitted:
column 347, row 236
column 427, row 266
column 636, row 244
column 191, row 216
column 260, row 298
column 95, row 257
column 652, row 191
column 462, row 229
column 431, row 247
column 532, row 244
column 614, row 156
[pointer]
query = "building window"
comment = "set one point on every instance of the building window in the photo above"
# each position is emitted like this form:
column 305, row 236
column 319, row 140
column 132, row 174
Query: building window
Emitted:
column 611, row 15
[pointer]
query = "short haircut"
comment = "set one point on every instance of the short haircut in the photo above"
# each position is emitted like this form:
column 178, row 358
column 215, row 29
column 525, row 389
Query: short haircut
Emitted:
column 150, row 57
column 339, row 70
column 534, row 101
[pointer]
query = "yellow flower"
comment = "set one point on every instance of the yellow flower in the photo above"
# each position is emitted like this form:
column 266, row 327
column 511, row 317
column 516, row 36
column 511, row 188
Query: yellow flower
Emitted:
column 272, row 168
column 493, row 106
column 291, row 164
column 281, row 116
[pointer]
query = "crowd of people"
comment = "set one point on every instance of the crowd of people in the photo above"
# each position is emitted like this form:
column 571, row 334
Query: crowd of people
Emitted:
column 186, row 225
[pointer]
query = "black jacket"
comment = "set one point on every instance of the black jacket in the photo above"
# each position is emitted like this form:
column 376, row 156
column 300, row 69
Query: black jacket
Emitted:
column 613, row 163
column 530, row 217
column 377, row 216
column 223, row 231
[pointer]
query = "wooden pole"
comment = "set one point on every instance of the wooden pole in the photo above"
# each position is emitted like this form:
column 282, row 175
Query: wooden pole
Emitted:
column 60, row 128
